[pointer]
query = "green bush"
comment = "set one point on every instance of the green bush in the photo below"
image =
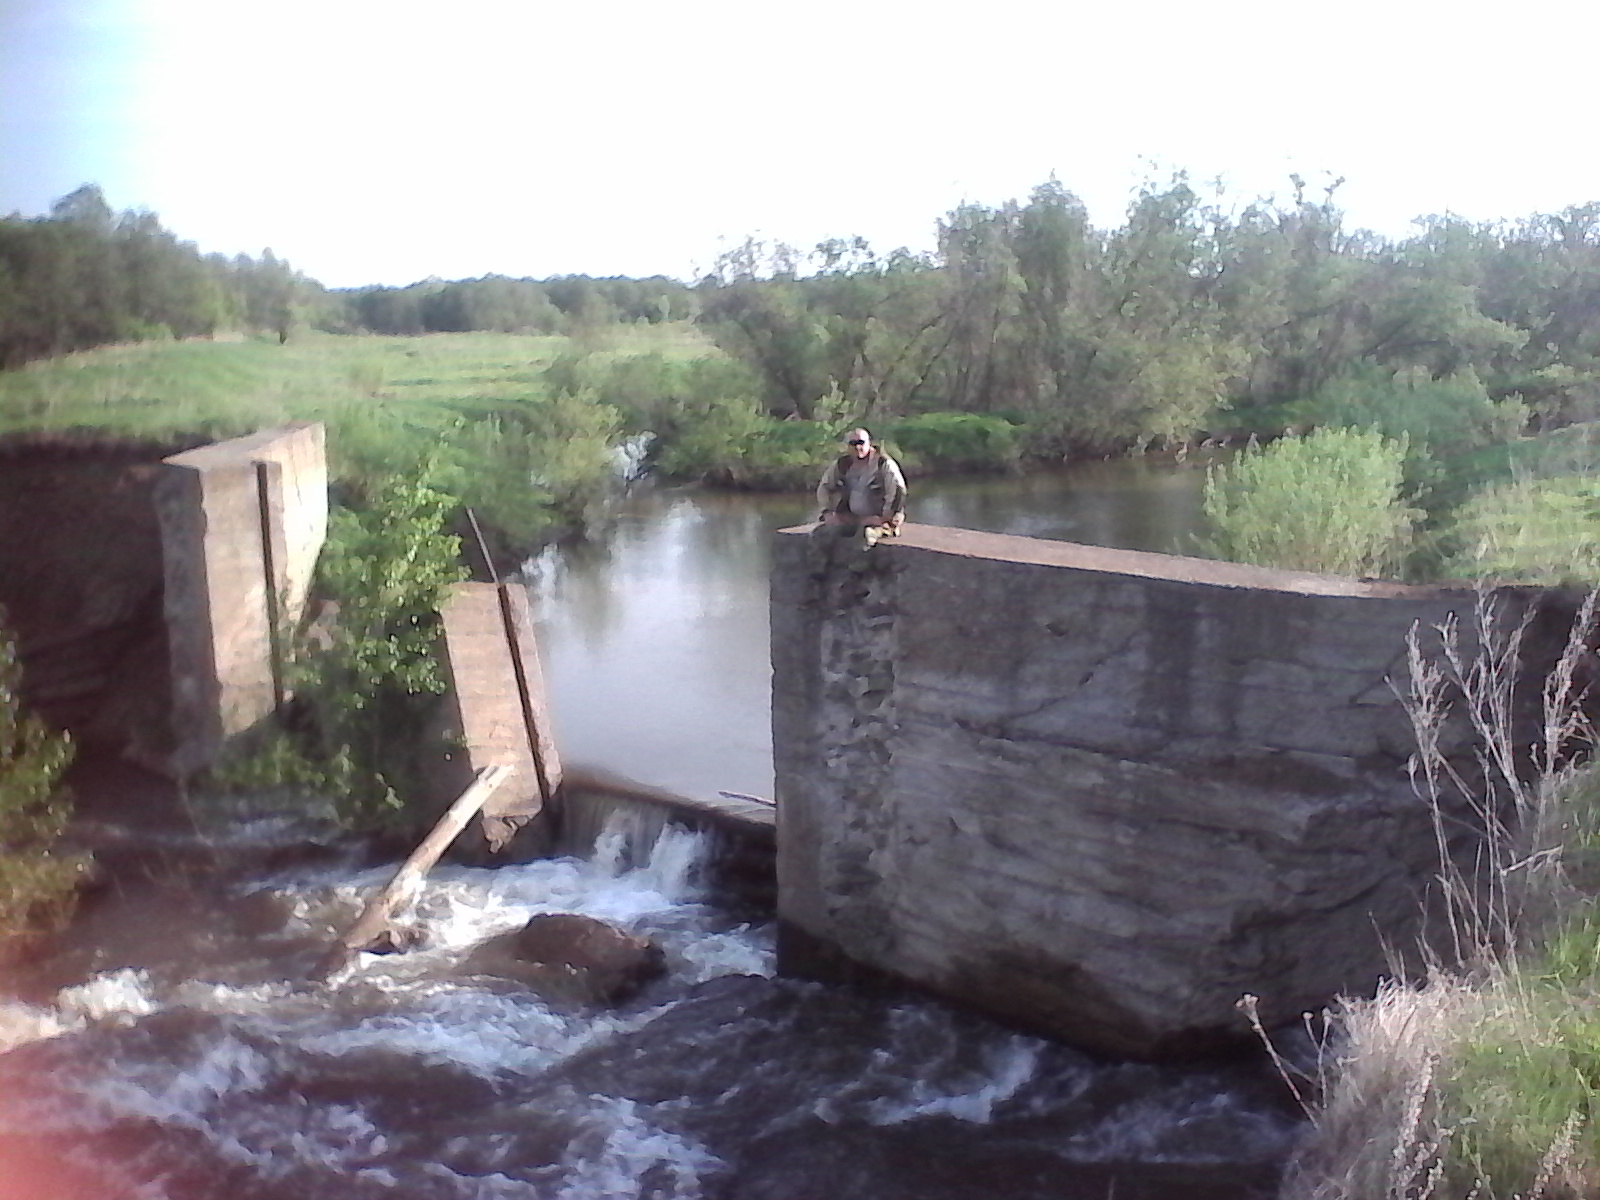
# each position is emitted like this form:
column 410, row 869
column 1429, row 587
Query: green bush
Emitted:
column 38, row 883
column 529, row 468
column 1330, row 502
column 1442, row 417
column 953, row 441
column 388, row 566
column 1530, row 531
column 736, row 445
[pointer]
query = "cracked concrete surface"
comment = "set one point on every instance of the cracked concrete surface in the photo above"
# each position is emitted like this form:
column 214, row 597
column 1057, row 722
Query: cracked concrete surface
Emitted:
column 1099, row 793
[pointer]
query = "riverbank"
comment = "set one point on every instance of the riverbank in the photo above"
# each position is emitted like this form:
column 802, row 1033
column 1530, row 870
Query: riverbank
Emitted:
column 529, row 431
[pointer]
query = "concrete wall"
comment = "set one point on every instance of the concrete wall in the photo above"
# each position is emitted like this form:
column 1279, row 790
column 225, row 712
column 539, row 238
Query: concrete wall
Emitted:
column 1100, row 793
column 494, row 710
column 241, row 524
column 81, row 586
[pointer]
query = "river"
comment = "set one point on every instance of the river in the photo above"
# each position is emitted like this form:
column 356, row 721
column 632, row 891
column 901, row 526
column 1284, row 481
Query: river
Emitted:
column 174, row 1050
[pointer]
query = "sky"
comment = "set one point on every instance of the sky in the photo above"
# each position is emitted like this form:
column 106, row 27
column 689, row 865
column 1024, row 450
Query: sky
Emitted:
column 386, row 141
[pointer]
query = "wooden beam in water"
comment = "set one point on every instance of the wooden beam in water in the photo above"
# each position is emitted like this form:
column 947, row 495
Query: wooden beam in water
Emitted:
column 403, row 885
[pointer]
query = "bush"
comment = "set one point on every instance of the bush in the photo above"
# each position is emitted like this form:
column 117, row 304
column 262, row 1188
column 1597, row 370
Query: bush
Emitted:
column 1329, row 502
column 1530, row 531
column 1443, row 417
column 952, row 441
column 389, row 567
column 528, row 468
column 38, row 884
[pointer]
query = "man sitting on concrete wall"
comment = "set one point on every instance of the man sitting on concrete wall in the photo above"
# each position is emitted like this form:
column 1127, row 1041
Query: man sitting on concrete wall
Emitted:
column 863, row 491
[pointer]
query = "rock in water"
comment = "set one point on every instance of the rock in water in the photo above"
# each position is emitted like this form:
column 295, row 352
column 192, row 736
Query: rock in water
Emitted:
column 571, row 957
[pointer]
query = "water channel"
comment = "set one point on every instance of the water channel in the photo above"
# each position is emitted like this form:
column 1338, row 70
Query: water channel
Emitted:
column 175, row 1051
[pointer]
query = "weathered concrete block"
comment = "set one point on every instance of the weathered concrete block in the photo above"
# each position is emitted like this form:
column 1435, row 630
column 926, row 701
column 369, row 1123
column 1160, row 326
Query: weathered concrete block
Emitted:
column 495, row 708
column 1100, row 793
column 241, row 524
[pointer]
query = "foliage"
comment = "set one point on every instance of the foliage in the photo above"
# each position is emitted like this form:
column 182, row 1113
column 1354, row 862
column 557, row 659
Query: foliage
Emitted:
column 526, row 468
column 1187, row 317
column 86, row 276
column 1330, row 502
column 1446, row 417
column 1530, row 530
column 519, row 451
column 1482, row 1081
column 37, row 881
column 956, row 441
column 565, row 304
column 747, row 449
column 388, row 565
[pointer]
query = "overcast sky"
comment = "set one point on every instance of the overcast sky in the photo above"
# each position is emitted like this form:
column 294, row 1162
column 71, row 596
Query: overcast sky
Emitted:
column 384, row 141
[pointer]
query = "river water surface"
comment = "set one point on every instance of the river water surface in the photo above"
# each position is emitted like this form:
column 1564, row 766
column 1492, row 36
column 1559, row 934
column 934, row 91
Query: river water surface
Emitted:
column 174, row 1050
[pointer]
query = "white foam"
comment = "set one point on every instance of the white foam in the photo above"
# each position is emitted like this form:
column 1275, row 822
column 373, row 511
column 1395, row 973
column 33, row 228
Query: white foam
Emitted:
column 704, row 956
column 486, row 1033
column 633, row 1149
column 1007, row 1067
column 124, row 993
column 1181, row 1125
column 23, row 1023
column 458, row 907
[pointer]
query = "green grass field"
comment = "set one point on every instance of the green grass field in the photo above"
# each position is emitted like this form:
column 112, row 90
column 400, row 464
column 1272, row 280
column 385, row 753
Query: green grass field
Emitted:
column 477, row 406
column 386, row 400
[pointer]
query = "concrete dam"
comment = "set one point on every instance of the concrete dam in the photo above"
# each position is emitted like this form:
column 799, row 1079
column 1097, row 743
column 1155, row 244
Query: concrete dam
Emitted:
column 1101, row 793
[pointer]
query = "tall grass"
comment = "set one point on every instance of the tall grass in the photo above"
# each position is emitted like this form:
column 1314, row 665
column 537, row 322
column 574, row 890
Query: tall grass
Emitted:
column 1482, row 1080
column 1331, row 502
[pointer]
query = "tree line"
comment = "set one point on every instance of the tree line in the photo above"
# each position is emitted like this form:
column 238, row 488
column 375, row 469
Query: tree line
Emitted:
column 1185, row 319
column 85, row 276
column 1188, row 318
column 560, row 305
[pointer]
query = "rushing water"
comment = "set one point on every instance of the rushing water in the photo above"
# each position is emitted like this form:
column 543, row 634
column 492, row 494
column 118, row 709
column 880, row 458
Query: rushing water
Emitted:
column 206, row 1068
column 655, row 638
column 174, row 1050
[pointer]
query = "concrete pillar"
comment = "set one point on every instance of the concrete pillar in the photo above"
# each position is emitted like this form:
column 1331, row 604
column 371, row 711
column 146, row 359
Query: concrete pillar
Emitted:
column 241, row 524
column 1102, row 794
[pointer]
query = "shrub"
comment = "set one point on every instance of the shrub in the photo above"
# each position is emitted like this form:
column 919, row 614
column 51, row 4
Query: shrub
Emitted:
column 1329, row 502
column 389, row 567
column 528, row 468
column 37, row 883
column 1445, row 417
column 1530, row 531
column 741, row 447
column 952, row 441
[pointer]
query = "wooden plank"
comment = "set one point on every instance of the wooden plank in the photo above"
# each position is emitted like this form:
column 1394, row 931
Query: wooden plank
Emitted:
column 403, row 885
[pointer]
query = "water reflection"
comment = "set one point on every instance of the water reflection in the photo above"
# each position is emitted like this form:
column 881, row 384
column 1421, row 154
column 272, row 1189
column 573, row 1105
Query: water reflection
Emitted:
column 655, row 636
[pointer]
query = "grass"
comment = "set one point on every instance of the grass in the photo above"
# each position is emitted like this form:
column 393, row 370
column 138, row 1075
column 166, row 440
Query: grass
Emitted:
column 38, row 883
column 1482, row 1080
column 1330, row 502
column 477, row 405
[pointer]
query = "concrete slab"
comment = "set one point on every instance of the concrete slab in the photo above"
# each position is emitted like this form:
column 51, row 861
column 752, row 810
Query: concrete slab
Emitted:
column 495, row 710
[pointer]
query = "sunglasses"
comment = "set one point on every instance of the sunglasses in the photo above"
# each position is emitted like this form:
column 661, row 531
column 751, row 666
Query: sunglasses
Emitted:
column 857, row 442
